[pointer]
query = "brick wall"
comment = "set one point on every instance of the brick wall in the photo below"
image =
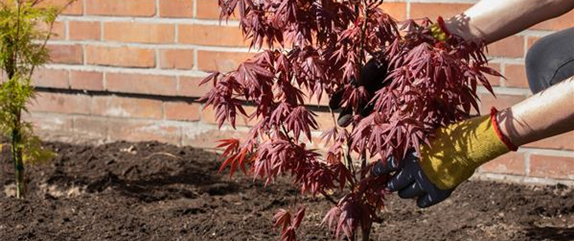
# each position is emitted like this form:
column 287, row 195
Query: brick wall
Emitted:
column 129, row 69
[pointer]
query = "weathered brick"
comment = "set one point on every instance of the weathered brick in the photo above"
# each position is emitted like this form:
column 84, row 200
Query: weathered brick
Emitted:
column 563, row 22
column 189, row 86
column 433, row 10
column 515, row 76
column 220, row 61
column 50, row 78
column 138, row 8
column 210, row 35
column 141, row 84
column 511, row 47
column 397, row 10
column 552, row 166
column 49, row 125
column 127, row 107
column 182, row 111
column 141, row 130
column 120, row 56
column 561, row 142
column 66, row 54
column 84, row 30
column 86, row 80
column 60, row 103
column 325, row 120
column 91, row 127
column 208, row 117
column 176, row 58
column 176, row 8
column 206, row 138
column 139, row 32
column 500, row 101
column 510, row 163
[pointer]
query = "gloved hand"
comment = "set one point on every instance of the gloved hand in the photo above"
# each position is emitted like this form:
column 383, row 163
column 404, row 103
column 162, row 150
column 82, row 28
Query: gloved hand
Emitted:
column 373, row 75
column 454, row 154
column 439, row 30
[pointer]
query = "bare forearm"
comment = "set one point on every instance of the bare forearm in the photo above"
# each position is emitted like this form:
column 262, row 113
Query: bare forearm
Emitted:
column 548, row 113
column 493, row 20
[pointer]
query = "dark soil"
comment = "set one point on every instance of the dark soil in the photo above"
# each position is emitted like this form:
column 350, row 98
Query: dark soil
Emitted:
column 152, row 191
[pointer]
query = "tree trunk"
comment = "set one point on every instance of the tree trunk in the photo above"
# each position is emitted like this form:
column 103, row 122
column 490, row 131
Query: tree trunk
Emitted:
column 367, row 233
column 18, row 163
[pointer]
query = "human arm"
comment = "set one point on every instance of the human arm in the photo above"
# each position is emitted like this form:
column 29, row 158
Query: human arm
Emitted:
column 493, row 20
column 546, row 114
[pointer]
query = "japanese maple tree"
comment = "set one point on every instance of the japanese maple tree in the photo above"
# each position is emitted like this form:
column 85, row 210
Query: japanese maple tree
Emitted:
column 313, row 48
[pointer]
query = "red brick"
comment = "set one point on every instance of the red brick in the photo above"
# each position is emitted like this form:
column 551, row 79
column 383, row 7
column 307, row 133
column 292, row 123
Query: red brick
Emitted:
column 176, row 58
column 207, row 9
column 563, row 22
column 141, row 84
column 176, row 8
column 76, row 8
column 114, row 106
column 433, row 10
column 182, row 111
column 220, row 61
column 86, row 80
column 494, row 80
column 84, row 30
column 397, row 10
column 210, row 35
column 139, row 130
column 120, row 56
column 530, row 40
column 66, row 54
column 61, row 103
column 137, row 8
column 500, row 101
column 58, row 31
column 552, row 166
column 139, row 32
column 560, row 142
column 189, row 86
column 512, row 47
column 515, row 76
column 50, row 78
column 510, row 163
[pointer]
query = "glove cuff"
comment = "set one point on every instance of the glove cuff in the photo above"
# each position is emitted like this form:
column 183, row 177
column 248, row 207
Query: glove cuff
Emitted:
column 459, row 149
column 499, row 133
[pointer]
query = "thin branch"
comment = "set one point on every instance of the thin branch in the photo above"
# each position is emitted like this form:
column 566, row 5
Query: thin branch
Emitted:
column 328, row 197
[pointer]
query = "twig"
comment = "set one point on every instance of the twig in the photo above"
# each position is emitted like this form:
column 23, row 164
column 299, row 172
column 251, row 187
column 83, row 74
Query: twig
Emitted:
column 329, row 198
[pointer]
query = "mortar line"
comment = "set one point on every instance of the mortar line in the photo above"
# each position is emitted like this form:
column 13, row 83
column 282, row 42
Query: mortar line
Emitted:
column 152, row 20
column 113, row 44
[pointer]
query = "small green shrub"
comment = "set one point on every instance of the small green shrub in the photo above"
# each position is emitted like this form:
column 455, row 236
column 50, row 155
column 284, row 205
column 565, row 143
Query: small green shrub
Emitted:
column 25, row 27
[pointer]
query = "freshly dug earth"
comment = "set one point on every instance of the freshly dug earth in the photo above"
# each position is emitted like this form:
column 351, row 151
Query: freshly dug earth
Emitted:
column 152, row 191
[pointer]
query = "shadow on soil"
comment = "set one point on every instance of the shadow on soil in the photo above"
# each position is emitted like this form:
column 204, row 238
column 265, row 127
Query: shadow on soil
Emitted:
column 550, row 233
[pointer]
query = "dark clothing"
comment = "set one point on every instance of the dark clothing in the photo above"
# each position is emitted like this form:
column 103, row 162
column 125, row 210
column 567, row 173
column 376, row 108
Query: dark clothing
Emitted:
column 550, row 60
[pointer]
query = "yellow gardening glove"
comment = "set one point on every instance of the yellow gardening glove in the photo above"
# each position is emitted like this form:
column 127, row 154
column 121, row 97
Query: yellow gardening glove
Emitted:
column 461, row 148
column 453, row 156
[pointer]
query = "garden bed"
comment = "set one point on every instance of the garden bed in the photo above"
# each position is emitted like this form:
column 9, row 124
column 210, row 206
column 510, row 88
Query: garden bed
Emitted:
column 152, row 191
